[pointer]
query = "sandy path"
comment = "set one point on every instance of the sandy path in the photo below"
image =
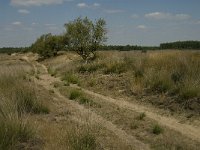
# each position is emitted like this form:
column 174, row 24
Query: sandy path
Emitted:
column 46, row 81
column 172, row 123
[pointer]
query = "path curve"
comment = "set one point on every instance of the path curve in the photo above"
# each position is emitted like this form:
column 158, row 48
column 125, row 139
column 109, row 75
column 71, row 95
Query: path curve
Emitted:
column 172, row 123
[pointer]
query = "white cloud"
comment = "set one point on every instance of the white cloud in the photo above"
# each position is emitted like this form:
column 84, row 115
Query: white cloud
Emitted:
column 34, row 24
column 23, row 11
column 36, row 2
column 114, row 11
column 134, row 16
column 167, row 16
column 84, row 5
column 198, row 22
column 17, row 23
column 142, row 27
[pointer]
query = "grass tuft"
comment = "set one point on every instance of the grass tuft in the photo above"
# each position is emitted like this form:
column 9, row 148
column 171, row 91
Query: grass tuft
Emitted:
column 157, row 129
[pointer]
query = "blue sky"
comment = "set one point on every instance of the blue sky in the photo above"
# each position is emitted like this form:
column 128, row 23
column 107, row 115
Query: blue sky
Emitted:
column 141, row 22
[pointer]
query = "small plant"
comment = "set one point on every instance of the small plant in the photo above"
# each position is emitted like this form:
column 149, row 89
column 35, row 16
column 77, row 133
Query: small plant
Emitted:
column 82, row 139
column 157, row 129
column 51, row 71
column 71, row 78
column 141, row 116
column 75, row 94
column 139, row 73
column 84, row 100
column 27, row 102
column 116, row 68
column 37, row 76
column 134, row 125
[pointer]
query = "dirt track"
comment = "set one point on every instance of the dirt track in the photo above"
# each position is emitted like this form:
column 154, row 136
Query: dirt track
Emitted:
column 46, row 81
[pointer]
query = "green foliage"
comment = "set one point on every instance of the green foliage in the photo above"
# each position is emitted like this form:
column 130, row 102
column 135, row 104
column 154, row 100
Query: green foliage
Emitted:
column 157, row 129
column 181, row 45
column 48, row 45
column 85, row 37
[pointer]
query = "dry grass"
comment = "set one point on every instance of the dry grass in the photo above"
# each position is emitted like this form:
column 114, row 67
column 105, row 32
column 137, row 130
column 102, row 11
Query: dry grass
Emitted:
column 17, row 99
column 173, row 73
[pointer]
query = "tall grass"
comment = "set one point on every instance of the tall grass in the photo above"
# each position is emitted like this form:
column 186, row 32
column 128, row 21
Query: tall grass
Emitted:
column 17, row 98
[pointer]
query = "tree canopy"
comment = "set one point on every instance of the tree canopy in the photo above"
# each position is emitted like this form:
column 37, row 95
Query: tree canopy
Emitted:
column 85, row 36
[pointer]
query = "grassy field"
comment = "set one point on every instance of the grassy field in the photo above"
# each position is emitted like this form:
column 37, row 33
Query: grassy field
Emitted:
column 120, row 100
column 167, row 79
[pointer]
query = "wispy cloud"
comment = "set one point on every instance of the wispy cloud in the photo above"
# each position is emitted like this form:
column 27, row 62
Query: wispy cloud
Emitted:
column 34, row 23
column 23, row 11
column 134, row 16
column 84, row 5
column 141, row 27
column 167, row 16
column 36, row 2
column 17, row 23
column 114, row 11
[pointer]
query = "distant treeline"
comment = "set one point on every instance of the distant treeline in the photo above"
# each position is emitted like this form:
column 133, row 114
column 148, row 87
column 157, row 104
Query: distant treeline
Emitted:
column 128, row 47
column 171, row 45
column 10, row 50
column 181, row 45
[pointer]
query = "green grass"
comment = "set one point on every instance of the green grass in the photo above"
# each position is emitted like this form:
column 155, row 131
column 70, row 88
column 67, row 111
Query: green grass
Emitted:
column 74, row 94
column 52, row 71
column 27, row 101
column 82, row 139
column 157, row 129
column 71, row 78
column 13, row 132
